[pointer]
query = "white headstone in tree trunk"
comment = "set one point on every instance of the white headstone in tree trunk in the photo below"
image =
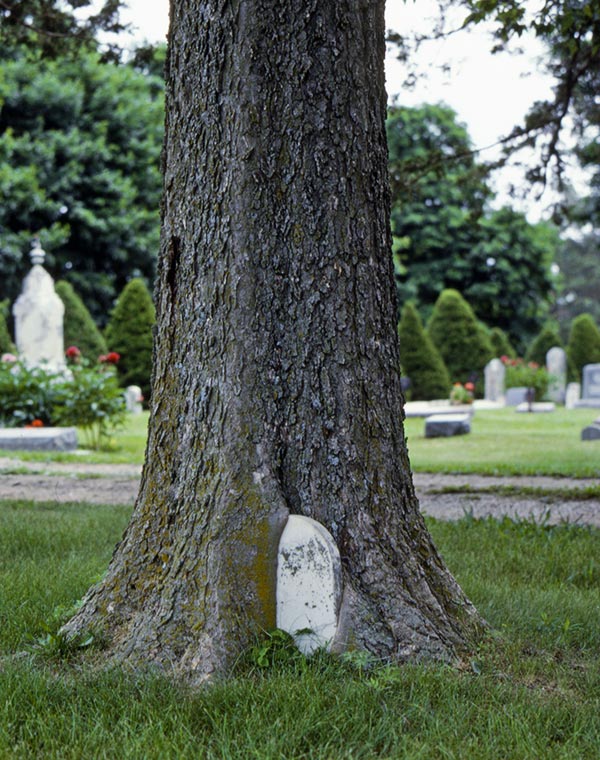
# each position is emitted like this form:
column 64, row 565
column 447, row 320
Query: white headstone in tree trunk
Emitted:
column 39, row 314
column 309, row 583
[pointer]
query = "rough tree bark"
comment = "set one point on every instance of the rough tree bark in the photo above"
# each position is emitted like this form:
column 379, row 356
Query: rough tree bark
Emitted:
column 276, row 387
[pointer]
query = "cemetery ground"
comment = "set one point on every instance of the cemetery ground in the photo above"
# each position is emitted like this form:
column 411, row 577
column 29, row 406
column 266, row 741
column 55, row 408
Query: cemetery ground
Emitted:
column 531, row 689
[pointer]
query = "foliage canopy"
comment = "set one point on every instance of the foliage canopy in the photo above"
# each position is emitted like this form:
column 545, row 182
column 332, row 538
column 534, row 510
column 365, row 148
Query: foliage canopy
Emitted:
column 80, row 143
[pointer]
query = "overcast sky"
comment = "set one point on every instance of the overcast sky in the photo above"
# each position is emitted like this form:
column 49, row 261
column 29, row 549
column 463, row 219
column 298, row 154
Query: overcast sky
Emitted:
column 490, row 93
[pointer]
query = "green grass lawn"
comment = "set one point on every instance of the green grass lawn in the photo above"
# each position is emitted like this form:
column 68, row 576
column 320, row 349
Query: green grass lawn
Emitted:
column 501, row 443
column 506, row 443
column 532, row 690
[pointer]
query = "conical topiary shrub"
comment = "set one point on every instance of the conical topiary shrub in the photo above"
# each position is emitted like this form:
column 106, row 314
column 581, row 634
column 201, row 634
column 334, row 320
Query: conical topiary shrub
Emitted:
column 129, row 333
column 583, row 346
column 6, row 344
column 79, row 328
column 456, row 332
column 501, row 344
column 546, row 339
column 420, row 360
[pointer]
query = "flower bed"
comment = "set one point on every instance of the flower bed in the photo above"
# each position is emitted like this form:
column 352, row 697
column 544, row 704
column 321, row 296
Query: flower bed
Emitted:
column 85, row 395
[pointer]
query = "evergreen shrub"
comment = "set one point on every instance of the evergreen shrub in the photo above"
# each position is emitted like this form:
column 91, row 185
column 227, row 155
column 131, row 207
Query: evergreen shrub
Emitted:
column 546, row 339
column 420, row 360
column 6, row 344
column 79, row 328
column 457, row 334
column 501, row 344
column 129, row 333
column 583, row 346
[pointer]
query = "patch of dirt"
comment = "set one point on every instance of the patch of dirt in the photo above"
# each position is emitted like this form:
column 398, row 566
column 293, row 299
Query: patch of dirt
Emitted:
column 478, row 498
column 69, row 481
column 118, row 484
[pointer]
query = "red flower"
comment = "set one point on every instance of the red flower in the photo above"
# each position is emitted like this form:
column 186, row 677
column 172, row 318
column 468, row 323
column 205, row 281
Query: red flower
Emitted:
column 504, row 359
column 469, row 387
column 110, row 358
column 35, row 424
column 72, row 352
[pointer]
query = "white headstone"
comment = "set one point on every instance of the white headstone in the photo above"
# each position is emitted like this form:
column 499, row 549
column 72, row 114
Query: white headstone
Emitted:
column 572, row 395
column 494, row 373
column 556, row 364
column 39, row 313
column 133, row 399
column 309, row 583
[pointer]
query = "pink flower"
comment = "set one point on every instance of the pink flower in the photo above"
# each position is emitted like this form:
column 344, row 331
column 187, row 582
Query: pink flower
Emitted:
column 469, row 387
column 9, row 358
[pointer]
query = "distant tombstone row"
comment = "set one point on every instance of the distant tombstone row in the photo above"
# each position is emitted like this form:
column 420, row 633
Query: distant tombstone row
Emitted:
column 558, row 391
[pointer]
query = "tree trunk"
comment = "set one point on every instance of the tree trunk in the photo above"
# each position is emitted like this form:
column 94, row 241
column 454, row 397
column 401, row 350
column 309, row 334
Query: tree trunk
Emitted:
column 276, row 386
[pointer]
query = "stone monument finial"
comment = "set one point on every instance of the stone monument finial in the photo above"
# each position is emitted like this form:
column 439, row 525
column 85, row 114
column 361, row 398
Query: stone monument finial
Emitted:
column 37, row 253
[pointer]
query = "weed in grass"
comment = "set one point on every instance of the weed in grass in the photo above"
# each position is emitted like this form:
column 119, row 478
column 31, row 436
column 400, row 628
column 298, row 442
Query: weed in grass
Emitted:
column 56, row 645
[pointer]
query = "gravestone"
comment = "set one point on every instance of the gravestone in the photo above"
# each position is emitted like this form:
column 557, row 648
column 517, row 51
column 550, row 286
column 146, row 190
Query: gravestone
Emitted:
column 572, row 395
column 556, row 364
column 590, row 394
column 443, row 425
column 309, row 583
column 39, row 313
column 516, row 395
column 133, row 399
column 591, row 432
column 494, row 374
column 38, row 439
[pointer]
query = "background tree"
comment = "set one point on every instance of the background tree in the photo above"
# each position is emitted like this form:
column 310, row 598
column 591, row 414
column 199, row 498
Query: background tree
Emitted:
column 57, row 27
column 438, row 196
column 420, row 360
column 129, row 333
column 455, row 331
column 583, row 346
column 579, row 279
column 79, row 328
column 511, row 285
column 79, row 162
column 446, row 236
column 570, row 32
column 276, row 385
